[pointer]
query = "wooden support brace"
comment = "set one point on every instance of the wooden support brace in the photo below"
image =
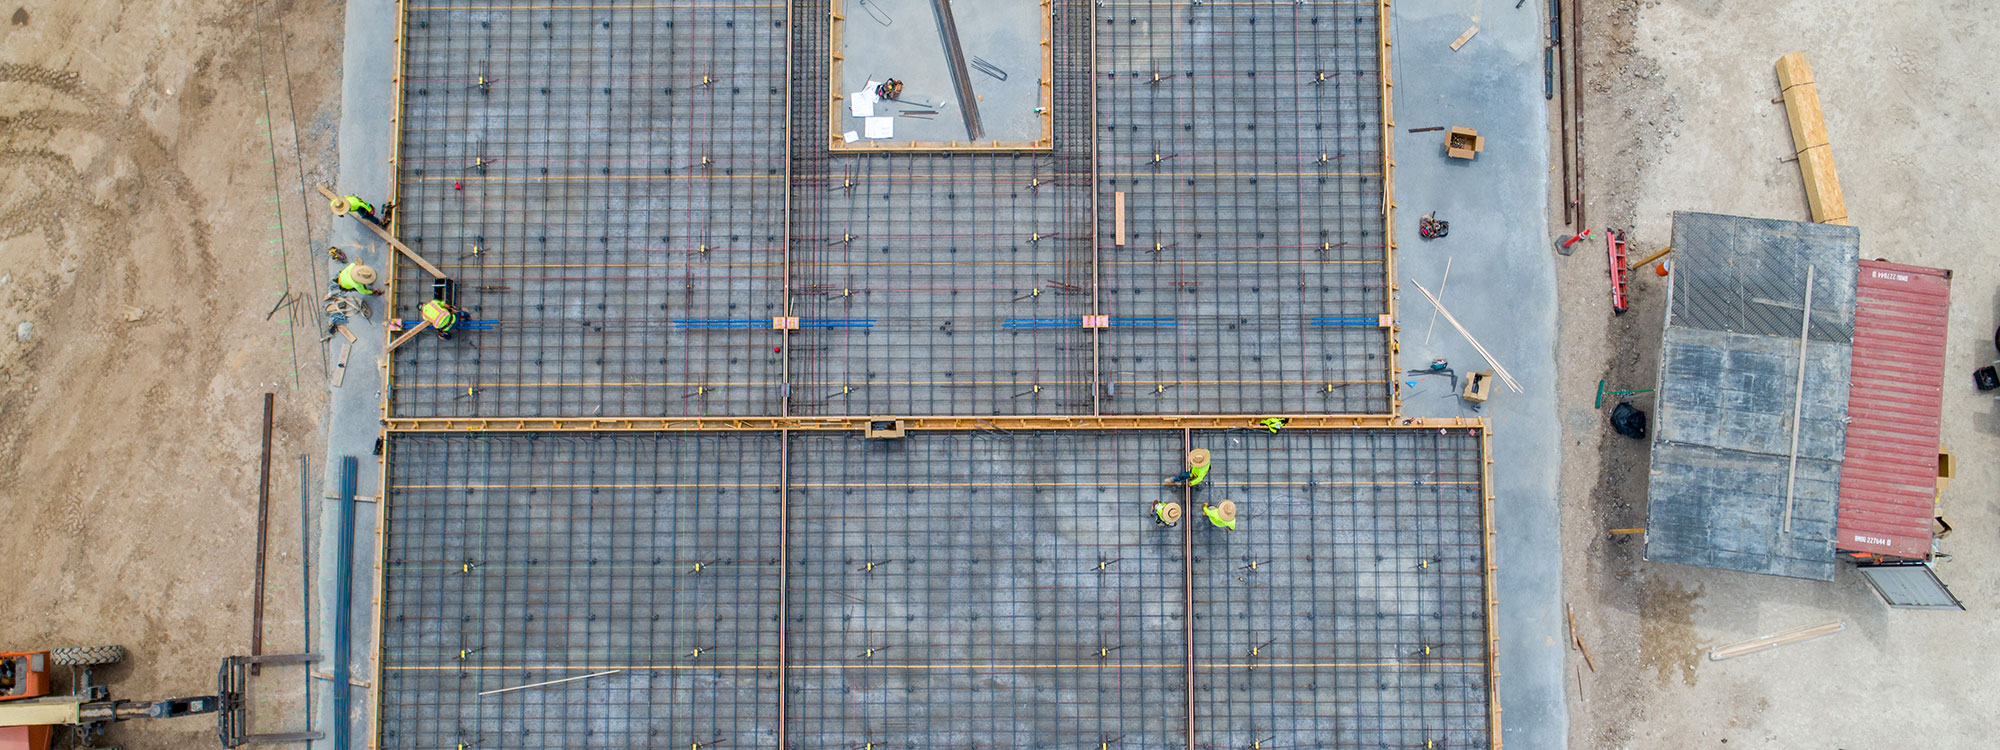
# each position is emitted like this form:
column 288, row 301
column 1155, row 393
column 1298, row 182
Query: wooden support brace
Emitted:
column 419, row 328
column 785, row 324
column 1096, row 321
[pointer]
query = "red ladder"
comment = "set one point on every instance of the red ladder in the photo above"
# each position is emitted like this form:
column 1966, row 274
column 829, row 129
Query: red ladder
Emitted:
column 1614, row 246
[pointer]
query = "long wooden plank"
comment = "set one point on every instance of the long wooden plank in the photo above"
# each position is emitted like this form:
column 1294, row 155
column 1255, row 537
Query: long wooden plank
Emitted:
column 414, row 330
column 1774, row 640
column 341, row 369
column 1809, row 140
column 1118, row 211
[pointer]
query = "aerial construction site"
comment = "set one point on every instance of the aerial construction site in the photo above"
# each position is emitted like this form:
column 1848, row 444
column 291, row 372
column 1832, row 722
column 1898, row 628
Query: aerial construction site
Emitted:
column 929, row 374
column 779, row 438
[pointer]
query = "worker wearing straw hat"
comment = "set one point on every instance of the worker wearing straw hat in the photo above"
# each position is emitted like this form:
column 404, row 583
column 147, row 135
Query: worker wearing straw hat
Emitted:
column 1167, row 514
column 353, row 204
column 1197, row 469
column 357, row 278
column 1223, row 516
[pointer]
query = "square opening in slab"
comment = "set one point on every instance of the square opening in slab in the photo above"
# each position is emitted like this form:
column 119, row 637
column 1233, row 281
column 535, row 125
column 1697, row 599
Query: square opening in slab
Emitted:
column 974, row 76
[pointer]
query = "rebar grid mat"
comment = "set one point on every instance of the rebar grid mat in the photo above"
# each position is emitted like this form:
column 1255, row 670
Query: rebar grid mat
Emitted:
column 1359, row 571
column 608, row 183
column 1247, row 138
column 517, row 560
column 945, row 590
column 941, row 283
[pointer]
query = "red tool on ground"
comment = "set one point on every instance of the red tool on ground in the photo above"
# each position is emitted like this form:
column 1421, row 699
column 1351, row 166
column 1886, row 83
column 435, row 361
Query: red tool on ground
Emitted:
column 1614, row 246
column 1580, row 236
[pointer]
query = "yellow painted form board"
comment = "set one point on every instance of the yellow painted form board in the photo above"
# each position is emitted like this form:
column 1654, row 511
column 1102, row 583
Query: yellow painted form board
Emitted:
column 1809, row 140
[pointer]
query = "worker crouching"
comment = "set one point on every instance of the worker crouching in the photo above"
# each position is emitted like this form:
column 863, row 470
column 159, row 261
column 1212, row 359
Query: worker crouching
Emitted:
column 442, row 316
column 1167, row 514
column 357, row 278
column 1222, row 516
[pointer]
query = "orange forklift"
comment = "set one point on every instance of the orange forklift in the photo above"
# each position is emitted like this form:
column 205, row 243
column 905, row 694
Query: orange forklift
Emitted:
column 33, row 716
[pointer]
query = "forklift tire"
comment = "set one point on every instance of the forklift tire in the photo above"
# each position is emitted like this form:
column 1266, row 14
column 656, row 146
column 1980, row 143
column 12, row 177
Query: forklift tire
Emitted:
column 84, row 656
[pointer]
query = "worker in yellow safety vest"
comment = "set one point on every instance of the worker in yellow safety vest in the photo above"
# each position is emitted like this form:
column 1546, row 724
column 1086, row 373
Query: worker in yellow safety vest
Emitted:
column 1167, row 514
column 353, row 204
column 357, row 278
column 1197, row 469
column 1223, row 516
column 441, row 315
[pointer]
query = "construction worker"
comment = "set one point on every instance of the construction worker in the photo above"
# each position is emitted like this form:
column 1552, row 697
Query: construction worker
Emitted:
column 353, row 204
column 1197, row 469
column 441, row 315
column 1273, row 423
column 1223, row 516
column 357, row 278
column 1167, row 514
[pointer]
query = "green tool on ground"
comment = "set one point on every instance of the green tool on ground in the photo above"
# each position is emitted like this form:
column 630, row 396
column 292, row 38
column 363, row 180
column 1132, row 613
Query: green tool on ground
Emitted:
column 1601, row 393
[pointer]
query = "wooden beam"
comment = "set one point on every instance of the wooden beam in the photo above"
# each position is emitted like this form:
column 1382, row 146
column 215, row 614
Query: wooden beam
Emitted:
column 1809, row 141
column 340, row 368
column 419, row 328
column 1774, row 640
column 1465, row 37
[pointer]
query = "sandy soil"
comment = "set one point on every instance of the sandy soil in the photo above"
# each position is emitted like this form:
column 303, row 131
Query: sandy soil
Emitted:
column 139, row 255
column 1678, row 116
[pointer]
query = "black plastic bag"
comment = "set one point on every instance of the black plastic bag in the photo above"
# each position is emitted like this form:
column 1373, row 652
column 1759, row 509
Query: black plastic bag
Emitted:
column 1985, row 378
column 1629, row 421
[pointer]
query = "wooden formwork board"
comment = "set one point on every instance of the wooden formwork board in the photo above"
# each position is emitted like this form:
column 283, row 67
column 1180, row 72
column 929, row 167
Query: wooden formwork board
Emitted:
column 1388, row 196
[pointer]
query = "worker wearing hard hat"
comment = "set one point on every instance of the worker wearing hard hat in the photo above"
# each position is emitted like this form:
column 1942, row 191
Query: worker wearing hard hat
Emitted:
column 1197, row 469
column 1167, row 514
column 1223, row 516
column 357, row 278
column 441, row 315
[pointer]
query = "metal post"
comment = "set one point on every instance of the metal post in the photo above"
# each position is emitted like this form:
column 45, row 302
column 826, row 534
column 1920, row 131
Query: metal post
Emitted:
column 263, row 533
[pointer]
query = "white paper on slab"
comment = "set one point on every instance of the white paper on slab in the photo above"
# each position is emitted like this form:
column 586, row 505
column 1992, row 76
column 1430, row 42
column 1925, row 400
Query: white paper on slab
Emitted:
column 869, row 91
column 861, row 106
column 850, row 136
column 880, row 127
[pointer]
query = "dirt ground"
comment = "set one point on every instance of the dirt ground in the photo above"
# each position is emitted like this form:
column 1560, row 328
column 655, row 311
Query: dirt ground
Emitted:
column 139, row 257
column 1678, row 116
